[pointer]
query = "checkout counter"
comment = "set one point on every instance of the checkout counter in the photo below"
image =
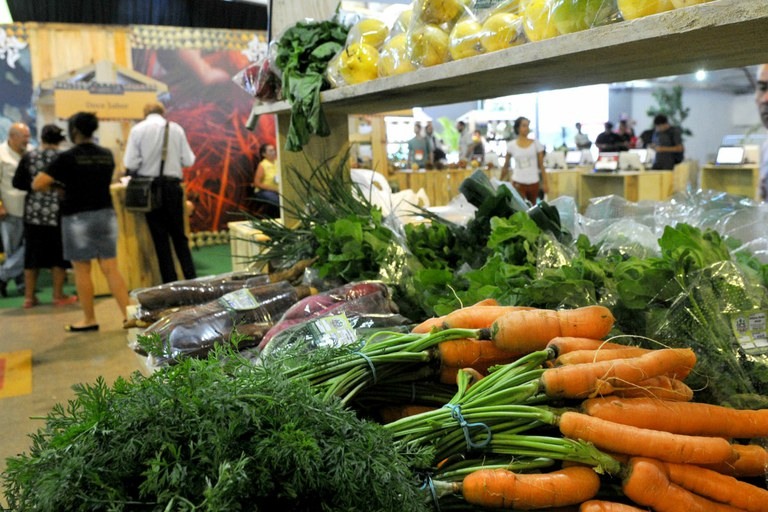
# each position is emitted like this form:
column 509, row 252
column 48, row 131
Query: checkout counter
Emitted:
column 736, row 170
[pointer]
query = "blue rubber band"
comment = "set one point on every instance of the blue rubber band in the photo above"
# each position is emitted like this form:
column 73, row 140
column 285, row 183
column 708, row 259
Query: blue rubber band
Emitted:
column 465, row 426
column 431, row 485
column 370, row 365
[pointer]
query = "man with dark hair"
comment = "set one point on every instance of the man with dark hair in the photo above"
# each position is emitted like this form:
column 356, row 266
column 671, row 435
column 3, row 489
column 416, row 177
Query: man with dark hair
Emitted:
column 608, row 141
column 667, row 143
column 155, row 144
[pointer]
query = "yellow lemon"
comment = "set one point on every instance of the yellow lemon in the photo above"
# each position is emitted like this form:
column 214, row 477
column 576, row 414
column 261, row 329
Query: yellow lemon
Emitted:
column 440, row 11
column 393, row 59
column 359, row 63
column 403, row 22
column 428, row 46
column 536, row 20
column 513, row 6
column 369, row 31
column 465, row 39
column 633, row 9
column 502, row 30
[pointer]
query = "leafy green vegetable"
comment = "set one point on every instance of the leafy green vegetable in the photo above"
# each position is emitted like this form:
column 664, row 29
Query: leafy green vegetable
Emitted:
column 303, row 52
column 210, row 435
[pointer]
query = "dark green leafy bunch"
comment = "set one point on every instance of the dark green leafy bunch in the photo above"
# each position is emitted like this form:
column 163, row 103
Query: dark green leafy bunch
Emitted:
column 303, row 52
column 210, row 435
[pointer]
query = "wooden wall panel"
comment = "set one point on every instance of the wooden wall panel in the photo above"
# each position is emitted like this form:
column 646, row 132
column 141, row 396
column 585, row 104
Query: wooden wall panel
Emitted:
column 57, row 48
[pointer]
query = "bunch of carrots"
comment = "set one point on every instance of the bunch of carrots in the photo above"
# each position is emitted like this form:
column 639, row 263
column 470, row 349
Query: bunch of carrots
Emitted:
column 546, row 414
column 669, row 453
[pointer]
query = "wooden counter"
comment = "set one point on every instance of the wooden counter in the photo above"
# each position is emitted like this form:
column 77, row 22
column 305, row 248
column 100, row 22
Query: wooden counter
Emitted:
column 136, row 257
column 633, row 186
column 440, row 186
column 739, row 180
column 565, row 182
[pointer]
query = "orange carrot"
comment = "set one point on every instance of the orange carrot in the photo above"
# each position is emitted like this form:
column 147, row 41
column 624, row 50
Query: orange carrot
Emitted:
column 390, row 413
column 448, row 374
column 582, row 380
column 615, row 437
column 565, row 344
column 647, row 484
column 592, row 356
column 716, row 487
column 527, row 331
column 607, row 506
column 690, row 418
column 465, row 352
column 662, row 387
column 752, row 462
column 500, row 488
column 460, row 314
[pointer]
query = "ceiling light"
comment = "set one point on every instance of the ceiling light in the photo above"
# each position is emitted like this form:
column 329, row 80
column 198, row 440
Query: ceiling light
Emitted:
column 701, row 75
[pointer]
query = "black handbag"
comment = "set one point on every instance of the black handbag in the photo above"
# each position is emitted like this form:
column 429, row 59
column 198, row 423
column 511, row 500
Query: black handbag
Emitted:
column 145, row 193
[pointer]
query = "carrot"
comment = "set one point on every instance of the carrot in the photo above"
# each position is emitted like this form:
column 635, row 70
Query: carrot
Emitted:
column 530, row 330
column 565, row 344
column 607, row 506
column 615, row 437
column 661, row 387
column 720, row 488
column 500, row 488
column 690, row 418
column 647, row 484
column 752, row 461
column 592, row 356
column 466, row 314
column 582, row 380
column 465, row 352
column 448, row 374
column 390, row 413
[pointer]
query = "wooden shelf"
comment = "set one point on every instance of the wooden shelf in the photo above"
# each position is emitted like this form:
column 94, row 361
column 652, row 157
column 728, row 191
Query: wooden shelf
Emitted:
column 714, row 35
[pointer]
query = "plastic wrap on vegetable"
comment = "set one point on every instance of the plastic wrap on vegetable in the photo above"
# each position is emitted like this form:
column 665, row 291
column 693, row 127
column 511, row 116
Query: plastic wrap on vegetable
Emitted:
column 361, row 297
column 487, row 29
column 332, row 330
column 250, row 311
column 259, row 80
column 196, row 291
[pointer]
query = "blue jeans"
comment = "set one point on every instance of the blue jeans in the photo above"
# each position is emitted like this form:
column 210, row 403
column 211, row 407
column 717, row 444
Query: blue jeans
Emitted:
column 12, row 235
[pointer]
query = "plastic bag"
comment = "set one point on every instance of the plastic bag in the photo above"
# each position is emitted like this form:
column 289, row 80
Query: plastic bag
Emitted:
column 250, row 311
column 260, row 81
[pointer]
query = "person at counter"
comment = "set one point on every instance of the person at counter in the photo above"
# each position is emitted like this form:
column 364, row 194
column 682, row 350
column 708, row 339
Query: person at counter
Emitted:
column 528, row 174
column 465, row 139
column 761, row 98
column 667, row 143
column 419, row 149
column 581, row 139
column 609, row 141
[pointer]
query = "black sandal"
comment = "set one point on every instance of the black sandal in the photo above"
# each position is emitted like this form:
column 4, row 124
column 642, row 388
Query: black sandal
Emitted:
column 85, row 328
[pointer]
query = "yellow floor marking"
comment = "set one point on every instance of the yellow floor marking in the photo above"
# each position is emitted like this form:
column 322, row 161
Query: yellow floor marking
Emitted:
column 15, row 373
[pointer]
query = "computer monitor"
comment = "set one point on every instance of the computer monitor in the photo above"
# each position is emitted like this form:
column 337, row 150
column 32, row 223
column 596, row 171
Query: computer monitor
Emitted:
column 555, row 160
column 630, row 161
column 642, row 154
column 573, row 157
column 607, row 162
column 730, row 155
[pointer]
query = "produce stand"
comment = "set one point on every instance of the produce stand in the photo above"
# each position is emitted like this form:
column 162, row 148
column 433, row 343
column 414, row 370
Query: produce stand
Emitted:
column 631, row 185
column 719, row 34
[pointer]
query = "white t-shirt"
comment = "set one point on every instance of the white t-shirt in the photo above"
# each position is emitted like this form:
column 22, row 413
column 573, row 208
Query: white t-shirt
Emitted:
column 525, row 161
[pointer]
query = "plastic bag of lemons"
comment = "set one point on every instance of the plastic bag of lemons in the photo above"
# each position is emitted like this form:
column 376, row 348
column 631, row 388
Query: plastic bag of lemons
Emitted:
column 358, row 61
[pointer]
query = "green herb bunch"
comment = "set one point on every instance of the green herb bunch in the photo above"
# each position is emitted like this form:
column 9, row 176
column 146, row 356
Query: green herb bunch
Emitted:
column 210, row 435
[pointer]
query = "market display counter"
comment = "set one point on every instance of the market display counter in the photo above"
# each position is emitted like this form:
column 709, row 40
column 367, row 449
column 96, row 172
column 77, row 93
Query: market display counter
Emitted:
column 136, row 257
column 740, row 180
column 242, row 236
column 631, row 185
column 565, row 182
column 440, row 186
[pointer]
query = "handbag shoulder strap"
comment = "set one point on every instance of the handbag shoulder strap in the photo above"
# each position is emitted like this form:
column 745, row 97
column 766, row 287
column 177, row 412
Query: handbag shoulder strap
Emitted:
column 165, row 148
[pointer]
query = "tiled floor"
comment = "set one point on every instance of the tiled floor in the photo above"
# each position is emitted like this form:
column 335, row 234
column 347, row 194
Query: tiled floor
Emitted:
column 59, row 360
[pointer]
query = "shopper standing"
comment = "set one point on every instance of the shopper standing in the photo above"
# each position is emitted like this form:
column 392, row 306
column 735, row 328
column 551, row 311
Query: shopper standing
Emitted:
column 581, row 139
column 761, row 97
column 12, row 208
column 465, row 140
column 667, row 143
column 419, row 149
column 42, row 230
column 528, row 174
column 143, row 156
column 88, row 220
column 608, row 141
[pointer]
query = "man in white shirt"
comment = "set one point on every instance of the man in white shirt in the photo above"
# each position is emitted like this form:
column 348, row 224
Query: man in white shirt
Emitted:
column 12, row 208
column 143, row 156
column 761, row 97
column 465, row 139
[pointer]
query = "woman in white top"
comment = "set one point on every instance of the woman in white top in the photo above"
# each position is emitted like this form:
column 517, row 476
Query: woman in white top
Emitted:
column 528, row 172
